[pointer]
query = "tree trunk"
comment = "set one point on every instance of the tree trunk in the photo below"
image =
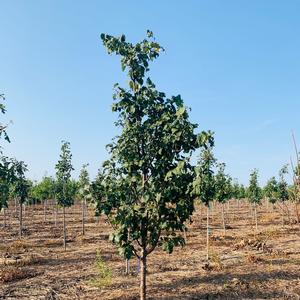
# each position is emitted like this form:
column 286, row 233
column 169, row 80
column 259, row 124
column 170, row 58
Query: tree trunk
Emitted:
column 223, row 219
column 287, row 212
column 200, row 225
column 45, row 207
column 185, row 235
column 143, row 276
column 16, row 208
column 238, row 208
column 127, row 267
column 21, row 220
column 255, row 214
column 56, row 213
column 207, row 234
column 297, row 213
column 83, row 212
column 64, row 228
column 4, row 216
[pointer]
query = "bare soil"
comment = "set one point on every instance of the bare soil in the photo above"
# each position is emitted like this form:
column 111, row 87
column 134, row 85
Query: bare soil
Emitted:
column 244, row 264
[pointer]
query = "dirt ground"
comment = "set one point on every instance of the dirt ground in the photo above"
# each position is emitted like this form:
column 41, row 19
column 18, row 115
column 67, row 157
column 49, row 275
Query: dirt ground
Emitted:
column 244, row 264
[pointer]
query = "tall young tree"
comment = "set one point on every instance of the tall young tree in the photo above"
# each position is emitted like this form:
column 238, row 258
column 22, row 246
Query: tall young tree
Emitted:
column 20, row 189
column 65, row 192
column 254, row 193
column 84, row 192
column 283, row 194
column 146, row 179
column 203, row 186
column 223, row 190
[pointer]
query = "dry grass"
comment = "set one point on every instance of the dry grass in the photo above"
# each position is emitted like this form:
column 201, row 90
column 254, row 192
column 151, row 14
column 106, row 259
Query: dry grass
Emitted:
column 244, row 264
column 13, row 273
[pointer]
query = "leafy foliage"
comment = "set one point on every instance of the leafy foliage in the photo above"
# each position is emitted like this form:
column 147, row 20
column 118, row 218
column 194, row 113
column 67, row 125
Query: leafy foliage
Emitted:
column 44, row 190
column 7, row 177
column 65, row 188
column 222, row 185
column 203, row 186
column 271, row 190
column 283, row 193
column 21, row 185
column 2, row 126
column 84, row 184
column 254, row 192
column 143, row 187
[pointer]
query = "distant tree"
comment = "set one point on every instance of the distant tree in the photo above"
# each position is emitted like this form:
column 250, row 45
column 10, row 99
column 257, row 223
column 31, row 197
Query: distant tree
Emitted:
column 254, row 193
column 271, row 190
column 20, row 189
column 98, row 191
column 283, row 193
column 65, row 190
column 223, row 189
column 203, row 187
column 44, row 191
column 146, row 179
column 84, row 192
column 242, row 192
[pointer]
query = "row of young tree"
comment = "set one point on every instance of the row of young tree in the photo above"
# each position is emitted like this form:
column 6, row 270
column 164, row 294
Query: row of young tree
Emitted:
column 148, row 187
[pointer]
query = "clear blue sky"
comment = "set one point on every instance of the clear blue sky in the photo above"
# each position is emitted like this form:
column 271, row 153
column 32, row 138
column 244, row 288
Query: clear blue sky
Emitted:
column 235, row 63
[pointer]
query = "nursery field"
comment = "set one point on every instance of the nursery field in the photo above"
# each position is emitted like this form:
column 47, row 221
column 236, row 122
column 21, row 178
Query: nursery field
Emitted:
column 244, row 263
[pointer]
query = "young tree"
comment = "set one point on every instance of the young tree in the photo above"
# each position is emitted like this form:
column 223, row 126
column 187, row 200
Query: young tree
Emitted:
column 84, row 192
column 6, row 179
column 283, row 194
column 65, row 190
column 146, row 179
column 203, row 186
column 20, row 188
column 271, row 190
column 254, row 193
column 44, row 191
column 223, row 190
column 238, row 193
column 6, row 166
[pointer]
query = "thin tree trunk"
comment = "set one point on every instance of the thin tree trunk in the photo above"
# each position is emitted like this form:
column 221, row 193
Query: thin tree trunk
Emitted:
column 255, row 214
column 223, row 219
column 297, row 213
column 21, row 220
column 45, row 207
column 83, row 213
column 143, row 276
column 4, row 216
column 64, row 228
column 200, row 225
column 56, row 213
column 127, row 267
column 185, row 235
column 207, row 234
column 287, row 211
